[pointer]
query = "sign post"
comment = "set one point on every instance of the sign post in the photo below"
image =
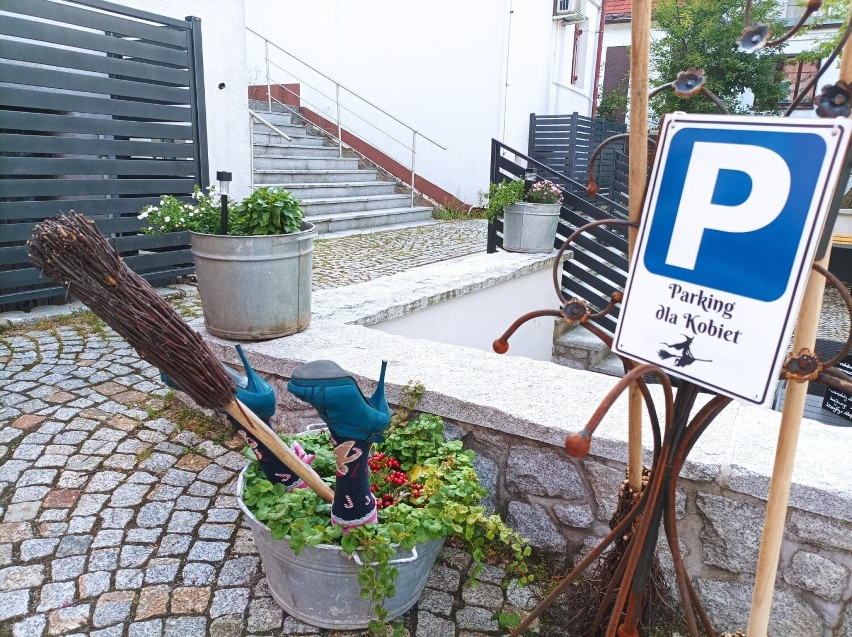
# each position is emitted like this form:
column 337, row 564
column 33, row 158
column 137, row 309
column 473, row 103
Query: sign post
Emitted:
column 733, row 217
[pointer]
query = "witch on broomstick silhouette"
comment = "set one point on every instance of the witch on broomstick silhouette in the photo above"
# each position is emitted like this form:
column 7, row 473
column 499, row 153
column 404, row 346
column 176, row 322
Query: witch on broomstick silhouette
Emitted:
column 685, row 357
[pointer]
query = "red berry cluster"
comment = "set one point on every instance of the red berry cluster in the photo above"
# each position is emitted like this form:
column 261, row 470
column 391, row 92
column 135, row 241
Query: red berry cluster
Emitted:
column 389, row 484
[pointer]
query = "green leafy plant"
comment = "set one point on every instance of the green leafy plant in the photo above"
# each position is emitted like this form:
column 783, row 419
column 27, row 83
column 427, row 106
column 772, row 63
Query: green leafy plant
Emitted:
column 265, row 211
column 501, row 195
column 268, row 211
column 427, row 490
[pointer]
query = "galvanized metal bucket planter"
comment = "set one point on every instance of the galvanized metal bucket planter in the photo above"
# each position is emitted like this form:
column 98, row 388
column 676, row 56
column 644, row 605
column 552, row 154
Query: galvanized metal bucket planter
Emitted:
column 255, row 288
column 530, row 227
column 319, row 586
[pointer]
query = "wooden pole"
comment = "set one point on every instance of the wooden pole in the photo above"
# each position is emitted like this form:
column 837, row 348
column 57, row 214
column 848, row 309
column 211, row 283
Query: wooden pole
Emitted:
column 788, row 437
column 640, row 49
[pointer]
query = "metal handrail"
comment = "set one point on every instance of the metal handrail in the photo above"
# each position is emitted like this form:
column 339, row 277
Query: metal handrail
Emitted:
column 363, row 99
column 337, row 87
column 270, row 125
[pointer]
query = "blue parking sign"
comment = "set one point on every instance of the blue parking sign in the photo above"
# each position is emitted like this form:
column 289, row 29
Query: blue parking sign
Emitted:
column 733, row 214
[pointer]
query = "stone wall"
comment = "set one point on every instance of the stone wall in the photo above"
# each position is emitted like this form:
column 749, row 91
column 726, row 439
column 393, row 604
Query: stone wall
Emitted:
column 515, row 412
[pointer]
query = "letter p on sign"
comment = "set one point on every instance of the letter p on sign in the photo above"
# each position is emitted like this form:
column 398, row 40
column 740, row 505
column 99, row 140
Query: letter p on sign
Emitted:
column 698, row 212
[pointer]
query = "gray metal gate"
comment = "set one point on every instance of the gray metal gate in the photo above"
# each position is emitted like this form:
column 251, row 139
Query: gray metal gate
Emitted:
column 101, row 111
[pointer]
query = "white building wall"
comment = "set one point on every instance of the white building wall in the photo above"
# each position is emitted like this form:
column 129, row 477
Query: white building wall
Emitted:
column 461, row 73
column 224, row 53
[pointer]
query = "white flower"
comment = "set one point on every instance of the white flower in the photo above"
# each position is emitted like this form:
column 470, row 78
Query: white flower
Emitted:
column 162, row 203
column 182, row 220
column 142, row 215
column 167, row 219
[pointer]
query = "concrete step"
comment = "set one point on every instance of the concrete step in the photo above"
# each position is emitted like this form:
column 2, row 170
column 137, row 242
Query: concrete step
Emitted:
column 279, row 119
column 609, row 365
column 286, row 177
column 289, row 129
column 329, row 206
column 294, row 150
column 283, row 163
column 378, row 219
column 262, row 106
column 578, row 348
column 263, row 139
column 342, row 190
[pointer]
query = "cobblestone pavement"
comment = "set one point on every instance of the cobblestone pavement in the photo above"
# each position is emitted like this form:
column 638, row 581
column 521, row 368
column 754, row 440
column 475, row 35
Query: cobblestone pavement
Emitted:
column 363, row 257
column 118, row 521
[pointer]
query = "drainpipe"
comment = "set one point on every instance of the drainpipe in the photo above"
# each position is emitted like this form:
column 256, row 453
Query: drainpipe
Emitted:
column 598, row 59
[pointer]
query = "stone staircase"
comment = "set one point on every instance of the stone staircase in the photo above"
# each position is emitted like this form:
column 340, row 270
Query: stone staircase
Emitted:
column 337, row 193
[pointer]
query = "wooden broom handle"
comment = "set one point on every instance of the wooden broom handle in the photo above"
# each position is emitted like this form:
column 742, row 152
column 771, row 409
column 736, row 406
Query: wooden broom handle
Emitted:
column 262, row 432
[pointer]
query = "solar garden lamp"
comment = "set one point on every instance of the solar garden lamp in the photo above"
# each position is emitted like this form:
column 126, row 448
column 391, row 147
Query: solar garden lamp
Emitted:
column 224, row 178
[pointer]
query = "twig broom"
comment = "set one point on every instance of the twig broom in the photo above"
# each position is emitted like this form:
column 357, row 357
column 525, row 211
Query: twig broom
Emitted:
column 72, row 251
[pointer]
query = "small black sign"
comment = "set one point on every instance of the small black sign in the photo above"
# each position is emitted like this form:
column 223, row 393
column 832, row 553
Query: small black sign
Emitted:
column 836, row 401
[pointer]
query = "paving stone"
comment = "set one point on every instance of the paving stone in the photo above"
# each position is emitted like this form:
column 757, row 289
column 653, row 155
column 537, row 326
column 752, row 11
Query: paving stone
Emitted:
column 5, row 554
column 165, row 492
column 184, row 522
column 142, row 477
column 74, row 545
column 37, row 476
column 216, row 474
column 27, row 422
column 191, row 503
column 158, row 462
column 143, row 536
column 113, row 631
column 81, row 524
column 104, row 559
column 817, row 574
column 197, row 574
column 178, row 477
column 223, row 515
column 11, row 470
column 533, row 522
column 186, row 627
column 444, row 579
column 264, row 615
column 127, row 578
column 190, row 599
column 437, row 602
column 15, row 577
column 61, row 498
column 293, row 626
column 105, row 482
column 520, row 597
column 192, row 462
column 429, row 624
column 93, row 584
column 87, row 463
column 30, row 627
column 128, row 495
column 14, row 604
column 90, row 503
column 485, row 595
column 108, row 537
column 21, row 512
column 475, row 618
column 150, row 628
column 56, row 595
column 116, row 518
column 64, row 620
column 38, row 548
column 52, row 529
column 153, row 602
column 239, row 571
column 174, row 544
column 28, row 452
column 228, row 626
column 134, row 555
column 67, row 568
column 216, row 531
column 155, row 514
column 208, row 551
column 161, row 570
column 72, row 479
column 244, row 543
column 227, row 601
column 113, row 608
column 15, row 531
column 120, row 461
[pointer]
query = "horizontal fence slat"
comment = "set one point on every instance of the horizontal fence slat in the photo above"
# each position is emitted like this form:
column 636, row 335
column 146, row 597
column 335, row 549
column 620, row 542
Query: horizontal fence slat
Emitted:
column 56, row 34
column 28, row 210
column 585, row 292
column 54, row 145
column 97, row 20
column 48, row 100
column 22, row 231
column 602, row 234
column 81, row 82
column 574, row 270
column 48, row 166
column 613, row 277
column 77, row 60
column 153, row 260
column 16, row 120
column 60, row 187
column 18, row 254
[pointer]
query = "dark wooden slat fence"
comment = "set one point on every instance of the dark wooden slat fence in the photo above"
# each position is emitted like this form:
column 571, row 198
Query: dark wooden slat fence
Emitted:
column 102, row 111
column 599, row 265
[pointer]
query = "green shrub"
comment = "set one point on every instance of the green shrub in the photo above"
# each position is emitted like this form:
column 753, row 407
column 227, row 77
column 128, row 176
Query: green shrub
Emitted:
column 501, row 195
